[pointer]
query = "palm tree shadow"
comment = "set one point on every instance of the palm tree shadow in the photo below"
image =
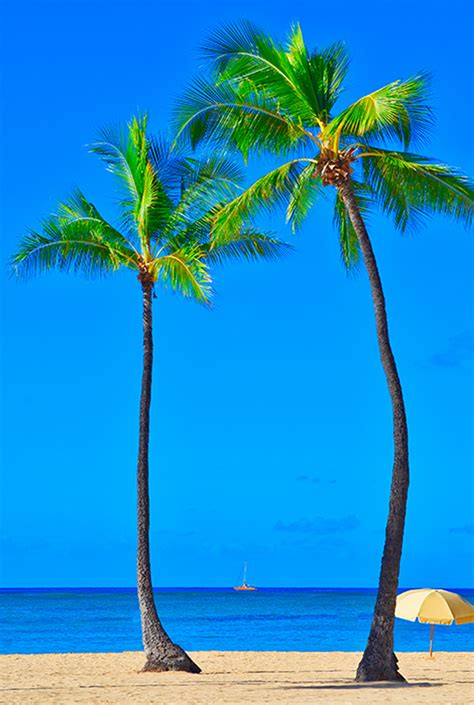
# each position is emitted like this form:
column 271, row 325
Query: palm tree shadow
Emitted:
column 358, row 686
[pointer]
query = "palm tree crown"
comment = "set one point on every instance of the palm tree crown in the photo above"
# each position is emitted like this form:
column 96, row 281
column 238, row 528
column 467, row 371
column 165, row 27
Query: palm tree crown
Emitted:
column 266, row 97
column 167, row 205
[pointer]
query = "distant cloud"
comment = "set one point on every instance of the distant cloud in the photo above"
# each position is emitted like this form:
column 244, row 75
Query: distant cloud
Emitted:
column 319, row 525
column 466, row 529
column 459, row 349
column 308, row 478
column 314, row 479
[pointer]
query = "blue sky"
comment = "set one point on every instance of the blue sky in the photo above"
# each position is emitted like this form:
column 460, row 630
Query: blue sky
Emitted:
column 271, row 421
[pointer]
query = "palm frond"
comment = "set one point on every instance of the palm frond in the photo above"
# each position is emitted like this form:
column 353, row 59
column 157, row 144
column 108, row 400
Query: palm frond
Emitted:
column 218, row 167
column 248, row 244
column 79, row 245
column 143, row 168
column 167, row 163
column 319, row 74
column 205, row 185
column 396, row 111
column 304, row 85
column 76, row 207
column 348, row 241
column 409, row 187
column 304, row 194
column 226, row 43
column 254, row 64
column 186, row 272
column 124, row 153
column 266, row 193
column 222, row 114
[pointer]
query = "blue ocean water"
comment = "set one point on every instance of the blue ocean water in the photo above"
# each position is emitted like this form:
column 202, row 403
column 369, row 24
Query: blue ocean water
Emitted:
column 78, row 620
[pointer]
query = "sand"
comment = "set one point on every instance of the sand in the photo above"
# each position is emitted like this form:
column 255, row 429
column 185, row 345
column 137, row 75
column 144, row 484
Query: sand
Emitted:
column 231, row 678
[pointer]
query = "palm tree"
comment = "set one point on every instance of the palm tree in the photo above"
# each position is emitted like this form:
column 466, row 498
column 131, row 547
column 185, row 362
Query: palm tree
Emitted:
column 265, row 97
column 167, row 206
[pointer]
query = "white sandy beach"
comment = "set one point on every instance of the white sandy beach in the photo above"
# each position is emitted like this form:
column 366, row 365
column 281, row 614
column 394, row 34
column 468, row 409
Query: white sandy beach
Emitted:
column 231, row 678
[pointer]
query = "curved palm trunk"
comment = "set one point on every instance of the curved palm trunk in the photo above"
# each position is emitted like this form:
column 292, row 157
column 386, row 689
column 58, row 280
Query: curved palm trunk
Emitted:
column 161, row 654
column 379, row 662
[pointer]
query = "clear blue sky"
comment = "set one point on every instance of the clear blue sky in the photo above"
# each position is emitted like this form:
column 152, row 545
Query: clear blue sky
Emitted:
column 271, row 421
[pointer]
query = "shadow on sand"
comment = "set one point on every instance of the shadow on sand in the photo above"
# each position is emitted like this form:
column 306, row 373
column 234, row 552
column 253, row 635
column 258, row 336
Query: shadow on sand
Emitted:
column 358, row 686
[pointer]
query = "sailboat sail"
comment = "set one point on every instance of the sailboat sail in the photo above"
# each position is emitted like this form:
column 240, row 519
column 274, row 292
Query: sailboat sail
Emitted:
column 245, row 586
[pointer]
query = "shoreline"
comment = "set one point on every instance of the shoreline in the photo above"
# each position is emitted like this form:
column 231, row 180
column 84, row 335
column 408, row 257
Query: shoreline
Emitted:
column 282, row 652
column 232, row 678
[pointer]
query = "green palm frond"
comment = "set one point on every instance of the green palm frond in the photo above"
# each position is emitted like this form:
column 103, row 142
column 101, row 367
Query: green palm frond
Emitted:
column 220, row 113
column 273, row 189
column 409, row 187
column 217, row 167
column 304, row 194
column 124, row 154
column 138, row 164
column 78, row 245
column 319, row 75
column 245, row 243
column 186, row 272
column 244, row 40
column 397, row 110
column 307, row 85
column 76, row 207
column 348, row 241
column 248, row 244
column 254, row 64
column 205, row 185
column 167, row 163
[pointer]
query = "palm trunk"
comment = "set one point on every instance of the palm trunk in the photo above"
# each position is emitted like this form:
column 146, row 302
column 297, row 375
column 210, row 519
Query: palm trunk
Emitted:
column 379, row 662
column 161, row 654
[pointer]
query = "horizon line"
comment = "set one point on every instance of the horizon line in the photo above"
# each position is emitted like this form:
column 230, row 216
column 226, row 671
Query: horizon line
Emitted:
column 106, row 588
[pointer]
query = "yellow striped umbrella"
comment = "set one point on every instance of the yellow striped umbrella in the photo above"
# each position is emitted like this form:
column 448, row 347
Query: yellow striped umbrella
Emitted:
column 434, row 607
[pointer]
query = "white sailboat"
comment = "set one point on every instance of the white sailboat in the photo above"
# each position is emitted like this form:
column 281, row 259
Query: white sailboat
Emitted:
column 245, row 586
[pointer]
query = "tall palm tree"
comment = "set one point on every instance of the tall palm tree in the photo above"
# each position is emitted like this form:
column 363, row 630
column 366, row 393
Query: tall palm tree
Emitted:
column 166, row 208
column 265, row 97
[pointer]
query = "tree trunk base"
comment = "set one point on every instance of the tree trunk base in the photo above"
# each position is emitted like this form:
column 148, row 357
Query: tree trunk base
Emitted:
column 174, row 659
column 374, row 668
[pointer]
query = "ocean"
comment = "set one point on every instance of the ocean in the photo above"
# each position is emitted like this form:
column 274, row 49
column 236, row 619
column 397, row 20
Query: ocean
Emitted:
column 269, row 619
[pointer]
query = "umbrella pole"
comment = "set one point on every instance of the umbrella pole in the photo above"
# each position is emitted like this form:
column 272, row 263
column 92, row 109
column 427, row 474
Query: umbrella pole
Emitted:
column 431, row 640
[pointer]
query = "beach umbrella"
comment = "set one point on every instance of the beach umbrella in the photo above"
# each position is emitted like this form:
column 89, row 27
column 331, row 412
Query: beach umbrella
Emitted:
column 434, row 607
